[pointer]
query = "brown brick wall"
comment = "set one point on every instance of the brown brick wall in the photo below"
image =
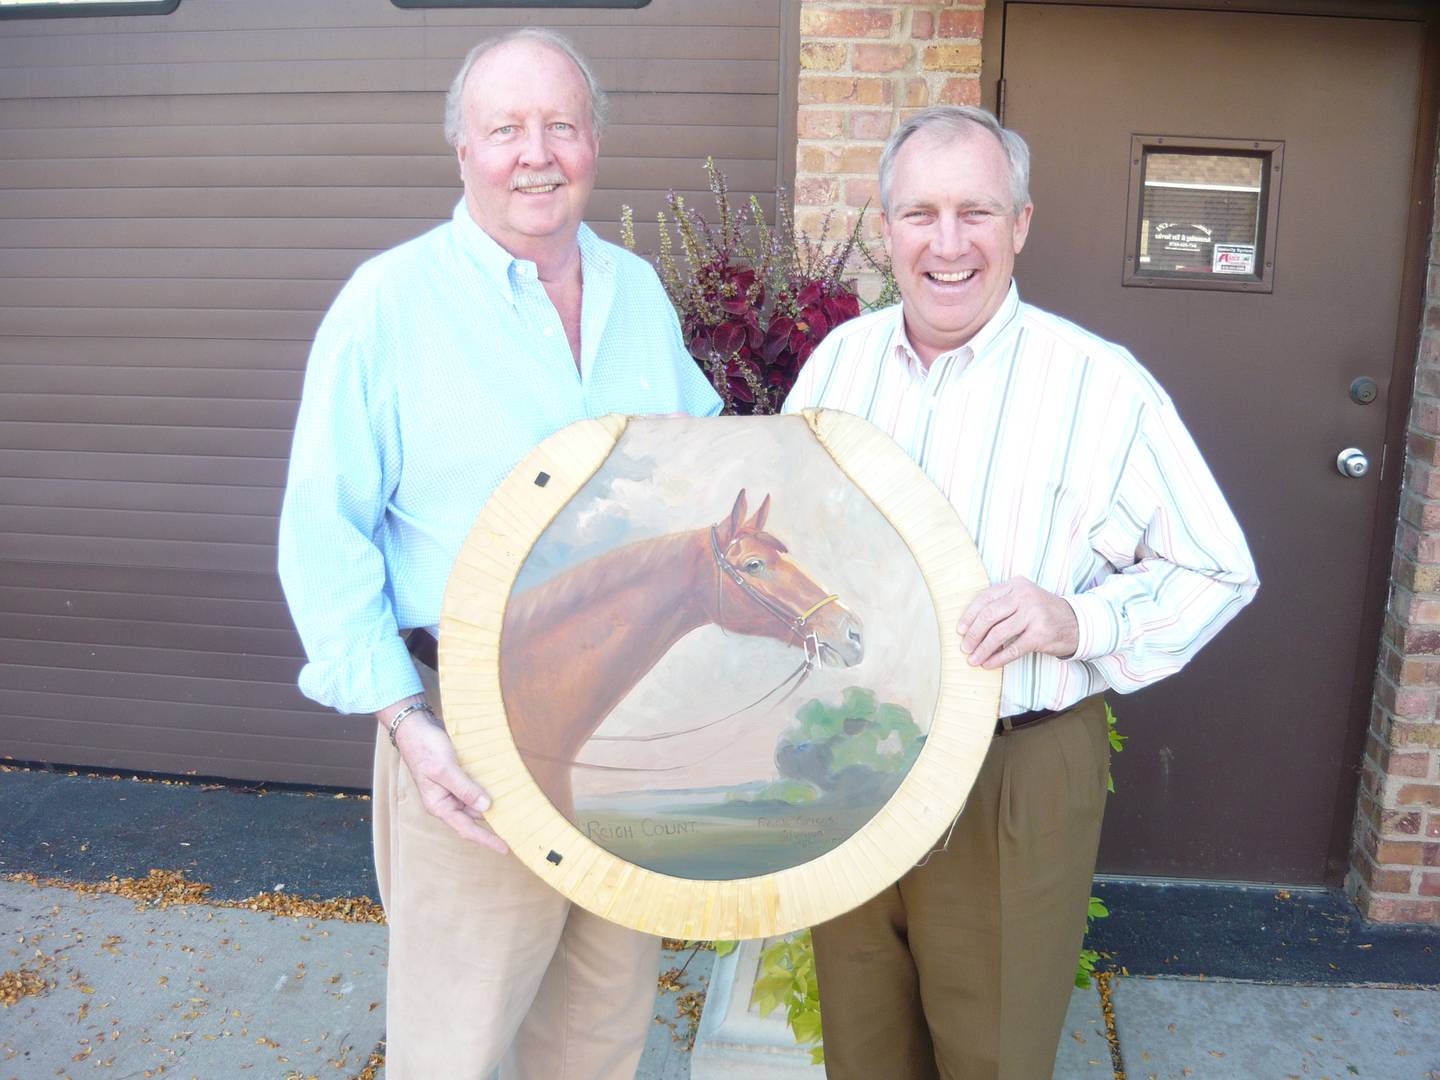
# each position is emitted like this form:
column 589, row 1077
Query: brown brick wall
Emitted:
column 1395, row 862
column 863, row 66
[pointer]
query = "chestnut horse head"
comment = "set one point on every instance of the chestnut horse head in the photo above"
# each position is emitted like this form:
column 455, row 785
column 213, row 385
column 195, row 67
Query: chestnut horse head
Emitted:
column 761, row 592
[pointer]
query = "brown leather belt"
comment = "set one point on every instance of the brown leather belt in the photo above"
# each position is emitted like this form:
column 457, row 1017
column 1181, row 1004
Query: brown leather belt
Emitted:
column 1007, row 724
column 424, row 647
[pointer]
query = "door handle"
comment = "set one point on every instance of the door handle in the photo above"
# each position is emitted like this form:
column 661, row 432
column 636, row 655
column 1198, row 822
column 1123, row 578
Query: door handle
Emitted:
column 1352, row 463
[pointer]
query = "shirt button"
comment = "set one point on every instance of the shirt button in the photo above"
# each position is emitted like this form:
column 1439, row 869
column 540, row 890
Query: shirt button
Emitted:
column 549, row 331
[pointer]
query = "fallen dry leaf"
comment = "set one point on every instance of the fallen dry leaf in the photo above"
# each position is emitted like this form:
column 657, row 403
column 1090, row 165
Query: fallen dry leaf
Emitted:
column 23, row 983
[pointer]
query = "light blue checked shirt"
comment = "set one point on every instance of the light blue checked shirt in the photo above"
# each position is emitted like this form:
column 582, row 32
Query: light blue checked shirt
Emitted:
column 440, row 365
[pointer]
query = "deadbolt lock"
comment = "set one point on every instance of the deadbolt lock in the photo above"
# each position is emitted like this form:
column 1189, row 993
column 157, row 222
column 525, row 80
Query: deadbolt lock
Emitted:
column 1363, row 391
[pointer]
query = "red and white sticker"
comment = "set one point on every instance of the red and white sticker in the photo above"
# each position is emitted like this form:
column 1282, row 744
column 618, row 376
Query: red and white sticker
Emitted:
column 1233, row 259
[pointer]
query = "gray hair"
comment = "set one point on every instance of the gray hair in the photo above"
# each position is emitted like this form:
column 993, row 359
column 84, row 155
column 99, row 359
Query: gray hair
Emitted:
column 454, row 98
column 959, row 121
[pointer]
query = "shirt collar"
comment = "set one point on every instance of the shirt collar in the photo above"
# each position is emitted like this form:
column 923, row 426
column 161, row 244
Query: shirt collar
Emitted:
column 493, row 260
column 977, row 346
column 502, row 268
column 999, row 323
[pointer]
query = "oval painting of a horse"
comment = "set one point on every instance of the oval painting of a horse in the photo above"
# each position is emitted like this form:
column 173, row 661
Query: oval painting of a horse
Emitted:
column 719, row 659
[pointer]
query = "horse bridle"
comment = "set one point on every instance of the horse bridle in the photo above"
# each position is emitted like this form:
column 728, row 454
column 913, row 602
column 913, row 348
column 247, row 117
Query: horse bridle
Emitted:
column 794, row 622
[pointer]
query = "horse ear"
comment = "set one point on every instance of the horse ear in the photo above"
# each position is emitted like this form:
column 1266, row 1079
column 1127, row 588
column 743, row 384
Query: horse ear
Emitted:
column 758, row 521
column 737, row 515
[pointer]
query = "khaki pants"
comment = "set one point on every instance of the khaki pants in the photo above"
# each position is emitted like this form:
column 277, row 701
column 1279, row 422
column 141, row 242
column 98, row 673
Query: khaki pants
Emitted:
column 963, row 969
column 488, row 965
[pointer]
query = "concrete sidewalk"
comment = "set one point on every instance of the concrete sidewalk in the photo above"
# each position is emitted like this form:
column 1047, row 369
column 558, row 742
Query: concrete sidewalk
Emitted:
column 132, row 989
column 1232, row 982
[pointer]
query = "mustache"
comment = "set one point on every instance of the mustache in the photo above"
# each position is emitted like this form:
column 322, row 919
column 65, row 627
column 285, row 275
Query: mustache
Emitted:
column 537, row 180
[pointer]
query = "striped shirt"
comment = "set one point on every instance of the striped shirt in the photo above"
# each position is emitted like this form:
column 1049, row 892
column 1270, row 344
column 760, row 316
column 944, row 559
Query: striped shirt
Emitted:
column 1068, row 465
column 440, row 365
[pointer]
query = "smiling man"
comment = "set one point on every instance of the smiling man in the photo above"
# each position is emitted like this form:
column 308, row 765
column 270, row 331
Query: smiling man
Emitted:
column 1114, row 559
column 439, row 366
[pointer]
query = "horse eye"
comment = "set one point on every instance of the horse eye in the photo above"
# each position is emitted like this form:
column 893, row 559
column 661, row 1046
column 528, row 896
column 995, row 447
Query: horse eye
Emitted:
column 754, row 566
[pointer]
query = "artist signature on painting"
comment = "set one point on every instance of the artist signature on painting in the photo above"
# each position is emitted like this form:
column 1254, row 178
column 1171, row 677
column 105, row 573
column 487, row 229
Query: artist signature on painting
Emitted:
column 597, row 830
column 796, row 821
column 799, row 831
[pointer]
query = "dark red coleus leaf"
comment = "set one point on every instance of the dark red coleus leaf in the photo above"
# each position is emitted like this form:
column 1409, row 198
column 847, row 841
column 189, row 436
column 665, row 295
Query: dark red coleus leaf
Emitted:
column 740, row 389
column 809, row 294
column 841, row 306
column 729, row 336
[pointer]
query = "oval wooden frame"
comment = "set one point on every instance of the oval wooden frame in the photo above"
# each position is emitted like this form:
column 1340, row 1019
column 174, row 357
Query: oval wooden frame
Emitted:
column 898, row 836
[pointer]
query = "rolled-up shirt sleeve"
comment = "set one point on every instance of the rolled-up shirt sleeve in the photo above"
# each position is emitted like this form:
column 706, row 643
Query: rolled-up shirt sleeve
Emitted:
column 1177, row 567
column 344, row 468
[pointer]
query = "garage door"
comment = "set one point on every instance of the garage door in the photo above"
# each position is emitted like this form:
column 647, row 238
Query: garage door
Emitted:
column 181, row 196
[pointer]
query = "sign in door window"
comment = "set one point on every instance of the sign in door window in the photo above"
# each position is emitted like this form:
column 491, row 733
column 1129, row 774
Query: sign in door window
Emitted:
column 1199, row 213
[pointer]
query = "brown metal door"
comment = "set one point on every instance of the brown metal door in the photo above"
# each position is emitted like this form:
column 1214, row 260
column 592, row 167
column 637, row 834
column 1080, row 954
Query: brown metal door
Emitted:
column 1243, row 766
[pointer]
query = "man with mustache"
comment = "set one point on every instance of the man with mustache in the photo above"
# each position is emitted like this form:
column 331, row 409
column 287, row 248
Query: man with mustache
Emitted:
column 441, row 364
column 1115, row 559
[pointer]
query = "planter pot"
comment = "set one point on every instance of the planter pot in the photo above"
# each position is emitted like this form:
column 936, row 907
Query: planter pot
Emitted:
column 735, row 1042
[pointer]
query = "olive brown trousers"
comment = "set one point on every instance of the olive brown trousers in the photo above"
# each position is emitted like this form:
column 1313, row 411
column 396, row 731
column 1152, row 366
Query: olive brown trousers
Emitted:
column 964, row 968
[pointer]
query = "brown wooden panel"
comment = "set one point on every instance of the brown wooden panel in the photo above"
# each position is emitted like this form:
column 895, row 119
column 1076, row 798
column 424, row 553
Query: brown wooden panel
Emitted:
column 632, row 175
column 303, row 719
column 98, row 352
column 427, row 166
column 142, row 686
column 144, row 739
column 144, row 439
column 77, row 408
column 102, row 49
column 187, row 637
column 223, row 139
column 284, row 232
column 305, row 158
column 160, row 322
column 144, row 581
column 188, row 555
column 271, row 232
column 675, row 108
column 160, row 663
column 168, row 612
column 163, row 110
column 302, row 14
column 122, row 525
column 107, row 742
column 225, row 757
column 148, row 497
column 713, row 76
column 195, row 469
column 192, row 264
column 342, row 202
column 277, row 294
column 154, row 382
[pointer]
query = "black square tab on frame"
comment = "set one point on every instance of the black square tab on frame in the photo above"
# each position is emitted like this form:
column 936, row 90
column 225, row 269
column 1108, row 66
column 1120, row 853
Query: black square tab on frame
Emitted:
column 542, row 479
